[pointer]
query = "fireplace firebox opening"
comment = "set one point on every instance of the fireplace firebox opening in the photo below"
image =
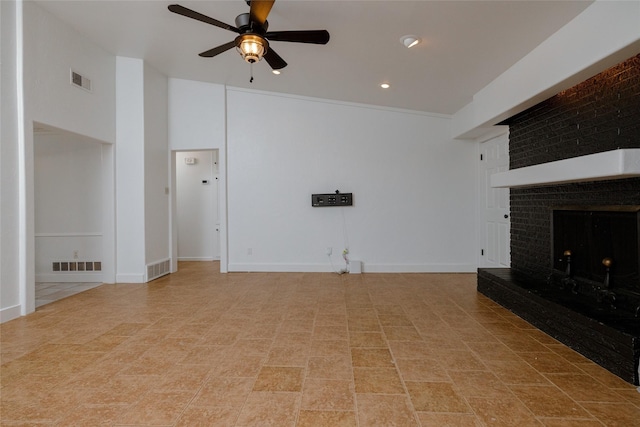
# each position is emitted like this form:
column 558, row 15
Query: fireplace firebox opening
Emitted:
column 595, row 258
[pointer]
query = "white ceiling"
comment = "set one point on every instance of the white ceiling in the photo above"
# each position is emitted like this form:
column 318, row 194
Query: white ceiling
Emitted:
column 466, row 44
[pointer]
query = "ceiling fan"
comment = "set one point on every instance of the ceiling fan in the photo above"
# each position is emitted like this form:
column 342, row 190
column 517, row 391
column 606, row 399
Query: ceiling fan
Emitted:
column 253, row 38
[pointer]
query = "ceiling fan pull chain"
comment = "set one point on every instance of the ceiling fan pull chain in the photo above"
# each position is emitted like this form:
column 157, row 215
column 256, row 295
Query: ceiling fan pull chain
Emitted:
column 251, row 68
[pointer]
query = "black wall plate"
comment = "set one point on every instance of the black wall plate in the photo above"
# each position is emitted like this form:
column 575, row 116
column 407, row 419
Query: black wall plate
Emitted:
column 331, row 199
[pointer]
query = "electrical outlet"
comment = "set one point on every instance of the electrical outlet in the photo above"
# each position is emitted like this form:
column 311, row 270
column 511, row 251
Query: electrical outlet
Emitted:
column 75, row 254
column 249, row 251
column 329, row 250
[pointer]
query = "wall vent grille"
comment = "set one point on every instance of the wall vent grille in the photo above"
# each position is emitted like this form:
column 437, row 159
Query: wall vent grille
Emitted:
column 158, row 269
column 80, row 81
column 76, row 266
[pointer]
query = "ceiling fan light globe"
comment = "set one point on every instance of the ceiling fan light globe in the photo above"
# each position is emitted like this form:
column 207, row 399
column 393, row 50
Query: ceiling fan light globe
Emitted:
column 251, row 47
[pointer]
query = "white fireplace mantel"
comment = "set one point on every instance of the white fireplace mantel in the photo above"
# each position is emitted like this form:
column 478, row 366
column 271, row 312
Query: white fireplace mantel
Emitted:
column 609, row 165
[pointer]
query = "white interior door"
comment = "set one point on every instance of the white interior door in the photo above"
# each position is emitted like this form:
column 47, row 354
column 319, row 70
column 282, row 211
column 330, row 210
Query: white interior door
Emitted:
column 495, row 227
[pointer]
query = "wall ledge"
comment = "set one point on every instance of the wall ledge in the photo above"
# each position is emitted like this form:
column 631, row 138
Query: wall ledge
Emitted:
column 608, row 165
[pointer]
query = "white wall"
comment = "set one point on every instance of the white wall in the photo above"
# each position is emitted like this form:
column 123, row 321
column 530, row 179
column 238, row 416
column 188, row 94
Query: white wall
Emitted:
column 156, row 166
column 9, row 167
column 196, row 115
column 130, row 209
column 414, row 188
column 197, row 206
column 142, row 175
column 197, row 121
column 68, row 205
column 49, row 49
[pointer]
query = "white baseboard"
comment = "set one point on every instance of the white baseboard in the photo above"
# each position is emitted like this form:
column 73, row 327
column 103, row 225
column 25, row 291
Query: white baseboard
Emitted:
column 130, row 278
column 9, row 313
column 366, row 268
column 280, row 268
column 198, row 259
column 419, row 268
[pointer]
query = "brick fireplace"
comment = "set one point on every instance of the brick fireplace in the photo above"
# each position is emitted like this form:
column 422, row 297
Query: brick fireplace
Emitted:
column 596, row 116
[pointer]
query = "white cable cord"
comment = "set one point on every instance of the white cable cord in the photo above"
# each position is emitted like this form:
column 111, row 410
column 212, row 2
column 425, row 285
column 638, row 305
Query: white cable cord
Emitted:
column 345, row 251
column 333, row 267
column 345, row 234
column 344, row 229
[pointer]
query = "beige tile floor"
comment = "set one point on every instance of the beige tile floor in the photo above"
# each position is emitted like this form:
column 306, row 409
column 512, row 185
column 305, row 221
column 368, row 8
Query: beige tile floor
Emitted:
column 48, row 292
column 199, row 348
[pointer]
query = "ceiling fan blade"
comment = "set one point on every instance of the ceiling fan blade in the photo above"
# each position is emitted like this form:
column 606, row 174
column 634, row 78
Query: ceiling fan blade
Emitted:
column 217, row 50
column 181, row 10
column 260, row 10
column 274, row 60
column 310, row 36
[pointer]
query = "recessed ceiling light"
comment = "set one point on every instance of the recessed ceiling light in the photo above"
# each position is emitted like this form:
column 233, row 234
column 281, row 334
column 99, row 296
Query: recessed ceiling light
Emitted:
column 276, row 72
column 409, row 41
column 385, row 85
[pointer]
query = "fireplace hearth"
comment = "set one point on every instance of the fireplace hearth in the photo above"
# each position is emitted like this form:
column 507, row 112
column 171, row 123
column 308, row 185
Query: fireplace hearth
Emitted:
column 590, row 300
column 610, row 338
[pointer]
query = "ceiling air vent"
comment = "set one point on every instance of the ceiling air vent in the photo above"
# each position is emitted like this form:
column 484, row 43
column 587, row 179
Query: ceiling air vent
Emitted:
column 80, row 81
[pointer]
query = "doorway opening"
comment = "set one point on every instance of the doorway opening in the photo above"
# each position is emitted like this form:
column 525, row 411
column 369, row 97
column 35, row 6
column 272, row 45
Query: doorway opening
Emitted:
column 73, row 238
column 197, row 205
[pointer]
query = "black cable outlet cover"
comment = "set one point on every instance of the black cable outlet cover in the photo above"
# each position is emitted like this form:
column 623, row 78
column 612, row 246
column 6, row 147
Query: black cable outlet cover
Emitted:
column 331, row 199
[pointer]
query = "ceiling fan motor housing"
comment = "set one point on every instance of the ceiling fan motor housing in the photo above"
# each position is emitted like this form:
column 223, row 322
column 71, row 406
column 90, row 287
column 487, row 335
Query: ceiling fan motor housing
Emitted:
column 245, row 25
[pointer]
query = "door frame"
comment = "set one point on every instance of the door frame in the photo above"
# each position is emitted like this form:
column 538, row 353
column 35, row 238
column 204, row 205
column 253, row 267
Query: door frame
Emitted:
column 221, row 226
column 483, row 188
